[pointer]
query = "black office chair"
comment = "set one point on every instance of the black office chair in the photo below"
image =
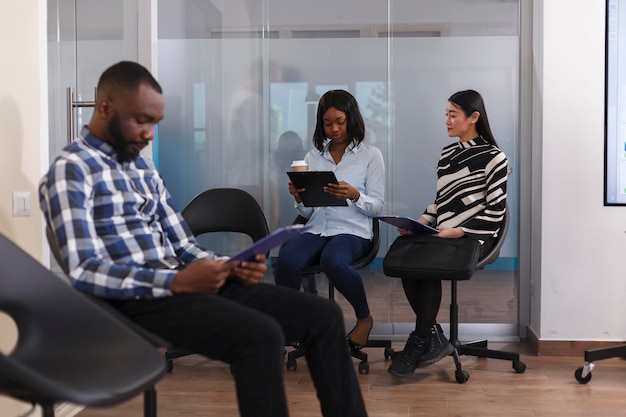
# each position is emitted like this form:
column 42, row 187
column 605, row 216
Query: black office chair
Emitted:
column 69, row 348
column 222, row 210
column 583, row 374
column 298, row 352
column 478, row 348
column 54, row 248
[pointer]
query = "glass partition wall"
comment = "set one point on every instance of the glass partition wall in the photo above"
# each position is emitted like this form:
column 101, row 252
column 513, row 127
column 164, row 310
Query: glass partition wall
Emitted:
column 242, row 78
column 240, row 74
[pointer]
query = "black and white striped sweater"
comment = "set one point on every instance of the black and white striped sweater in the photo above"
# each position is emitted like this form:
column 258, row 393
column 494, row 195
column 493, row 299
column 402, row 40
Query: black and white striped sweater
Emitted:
column 471, row 188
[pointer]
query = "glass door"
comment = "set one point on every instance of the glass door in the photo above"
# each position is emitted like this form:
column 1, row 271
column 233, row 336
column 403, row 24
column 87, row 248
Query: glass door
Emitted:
column 84, row 38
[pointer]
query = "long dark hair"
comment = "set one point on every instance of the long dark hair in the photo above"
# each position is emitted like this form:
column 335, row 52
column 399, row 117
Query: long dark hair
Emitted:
column 470, row 101
column 345, row 102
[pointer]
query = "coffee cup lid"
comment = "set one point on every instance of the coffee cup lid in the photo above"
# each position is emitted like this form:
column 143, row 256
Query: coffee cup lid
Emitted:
column 298, row 163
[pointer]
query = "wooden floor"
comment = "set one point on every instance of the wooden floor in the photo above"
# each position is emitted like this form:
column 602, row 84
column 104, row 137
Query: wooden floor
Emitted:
column 200, row 387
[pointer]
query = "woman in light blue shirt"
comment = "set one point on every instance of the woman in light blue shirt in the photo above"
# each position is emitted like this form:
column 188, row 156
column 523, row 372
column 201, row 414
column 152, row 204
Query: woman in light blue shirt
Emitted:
column 339, row 235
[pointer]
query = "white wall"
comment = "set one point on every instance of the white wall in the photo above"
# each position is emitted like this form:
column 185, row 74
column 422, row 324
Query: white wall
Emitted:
column 581, row 265
column 23, row 126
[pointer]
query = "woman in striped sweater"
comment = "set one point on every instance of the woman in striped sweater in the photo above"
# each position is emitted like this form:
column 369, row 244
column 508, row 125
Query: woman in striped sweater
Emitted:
column 470, row 202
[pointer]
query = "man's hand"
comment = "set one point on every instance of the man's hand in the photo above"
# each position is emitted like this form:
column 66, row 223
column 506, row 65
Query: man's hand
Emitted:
column 203, row 275
column 250, row 272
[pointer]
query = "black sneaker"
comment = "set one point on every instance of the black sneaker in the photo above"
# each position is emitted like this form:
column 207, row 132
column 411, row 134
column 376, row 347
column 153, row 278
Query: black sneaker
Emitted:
column 438, row 347
column 404, row 363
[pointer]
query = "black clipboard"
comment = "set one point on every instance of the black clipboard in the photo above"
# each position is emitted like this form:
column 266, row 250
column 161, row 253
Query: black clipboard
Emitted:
column 264, row 245
column 314, row 182
column 408, row 223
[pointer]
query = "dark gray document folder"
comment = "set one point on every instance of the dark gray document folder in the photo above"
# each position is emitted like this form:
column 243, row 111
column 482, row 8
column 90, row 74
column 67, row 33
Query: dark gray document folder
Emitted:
column 314, row 182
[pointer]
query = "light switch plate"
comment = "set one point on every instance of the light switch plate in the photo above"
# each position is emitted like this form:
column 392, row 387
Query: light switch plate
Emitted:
column 21, row 203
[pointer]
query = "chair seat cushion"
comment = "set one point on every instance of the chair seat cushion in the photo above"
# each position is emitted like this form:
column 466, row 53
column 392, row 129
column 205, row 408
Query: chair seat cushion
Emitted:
column 430, row 257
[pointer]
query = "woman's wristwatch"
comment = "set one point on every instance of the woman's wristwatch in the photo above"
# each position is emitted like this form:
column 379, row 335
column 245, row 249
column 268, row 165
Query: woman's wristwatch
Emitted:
column 355, row 199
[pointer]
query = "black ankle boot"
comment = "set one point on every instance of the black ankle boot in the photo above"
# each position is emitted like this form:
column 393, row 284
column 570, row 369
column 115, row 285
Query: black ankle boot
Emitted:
column 438, row 347
column 404, row 363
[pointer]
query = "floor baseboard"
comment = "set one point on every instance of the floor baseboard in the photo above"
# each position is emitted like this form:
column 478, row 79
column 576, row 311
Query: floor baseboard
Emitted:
column 563, row 347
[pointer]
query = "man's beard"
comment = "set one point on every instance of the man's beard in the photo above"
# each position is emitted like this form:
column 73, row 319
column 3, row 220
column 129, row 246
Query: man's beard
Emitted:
column 121, row 146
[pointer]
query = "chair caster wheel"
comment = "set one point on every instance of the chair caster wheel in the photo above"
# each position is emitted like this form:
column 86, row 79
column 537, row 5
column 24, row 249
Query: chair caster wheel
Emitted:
column 292, row 365
column 519, row 367
column 388, row 353
column 579, row 376
column 461, row 376
column 364, row 368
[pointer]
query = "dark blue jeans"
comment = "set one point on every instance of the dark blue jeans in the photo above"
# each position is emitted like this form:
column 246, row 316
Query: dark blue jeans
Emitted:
column 309, row 281
column 335, row 255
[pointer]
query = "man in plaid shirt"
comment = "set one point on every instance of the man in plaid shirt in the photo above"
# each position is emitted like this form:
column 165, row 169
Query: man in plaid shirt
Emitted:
column 123, row 241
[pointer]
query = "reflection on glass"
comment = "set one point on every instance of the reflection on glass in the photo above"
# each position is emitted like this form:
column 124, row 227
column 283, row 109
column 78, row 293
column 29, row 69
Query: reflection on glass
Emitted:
column 401, row 60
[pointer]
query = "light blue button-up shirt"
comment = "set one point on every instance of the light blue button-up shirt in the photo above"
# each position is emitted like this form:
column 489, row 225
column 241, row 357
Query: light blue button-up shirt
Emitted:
column 362, row 167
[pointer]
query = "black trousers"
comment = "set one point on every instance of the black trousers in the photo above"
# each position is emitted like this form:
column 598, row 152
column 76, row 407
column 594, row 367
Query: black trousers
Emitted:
column 248, row 327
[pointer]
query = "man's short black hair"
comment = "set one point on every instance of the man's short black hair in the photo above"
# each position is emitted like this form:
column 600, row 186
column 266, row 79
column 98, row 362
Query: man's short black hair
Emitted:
column 126, row 76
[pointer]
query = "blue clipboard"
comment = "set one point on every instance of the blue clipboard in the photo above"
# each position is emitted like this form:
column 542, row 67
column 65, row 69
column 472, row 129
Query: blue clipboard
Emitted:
column 408, row 223
column 264, row 245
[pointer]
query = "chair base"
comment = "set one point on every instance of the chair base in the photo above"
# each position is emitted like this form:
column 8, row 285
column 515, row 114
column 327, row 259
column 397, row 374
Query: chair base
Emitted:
column 47, row 410
column 150, row 403
column 364, row 366
column 175, row 353
column 479, row 349
column 583, row 374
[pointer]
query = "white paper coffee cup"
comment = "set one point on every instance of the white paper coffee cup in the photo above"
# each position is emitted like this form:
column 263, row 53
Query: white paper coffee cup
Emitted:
column 300, row 165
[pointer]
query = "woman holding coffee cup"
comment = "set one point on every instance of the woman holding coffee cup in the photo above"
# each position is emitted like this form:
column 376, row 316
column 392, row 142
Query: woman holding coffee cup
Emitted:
column 299, row 165
column 338, row 235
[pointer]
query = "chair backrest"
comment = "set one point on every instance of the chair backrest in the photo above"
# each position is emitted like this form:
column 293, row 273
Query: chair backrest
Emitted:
column 149, row 336
column 367, row 259
column 61, row 334
column 364, row 261
column 493, row 254
column 54, row 248
column 226, row 210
